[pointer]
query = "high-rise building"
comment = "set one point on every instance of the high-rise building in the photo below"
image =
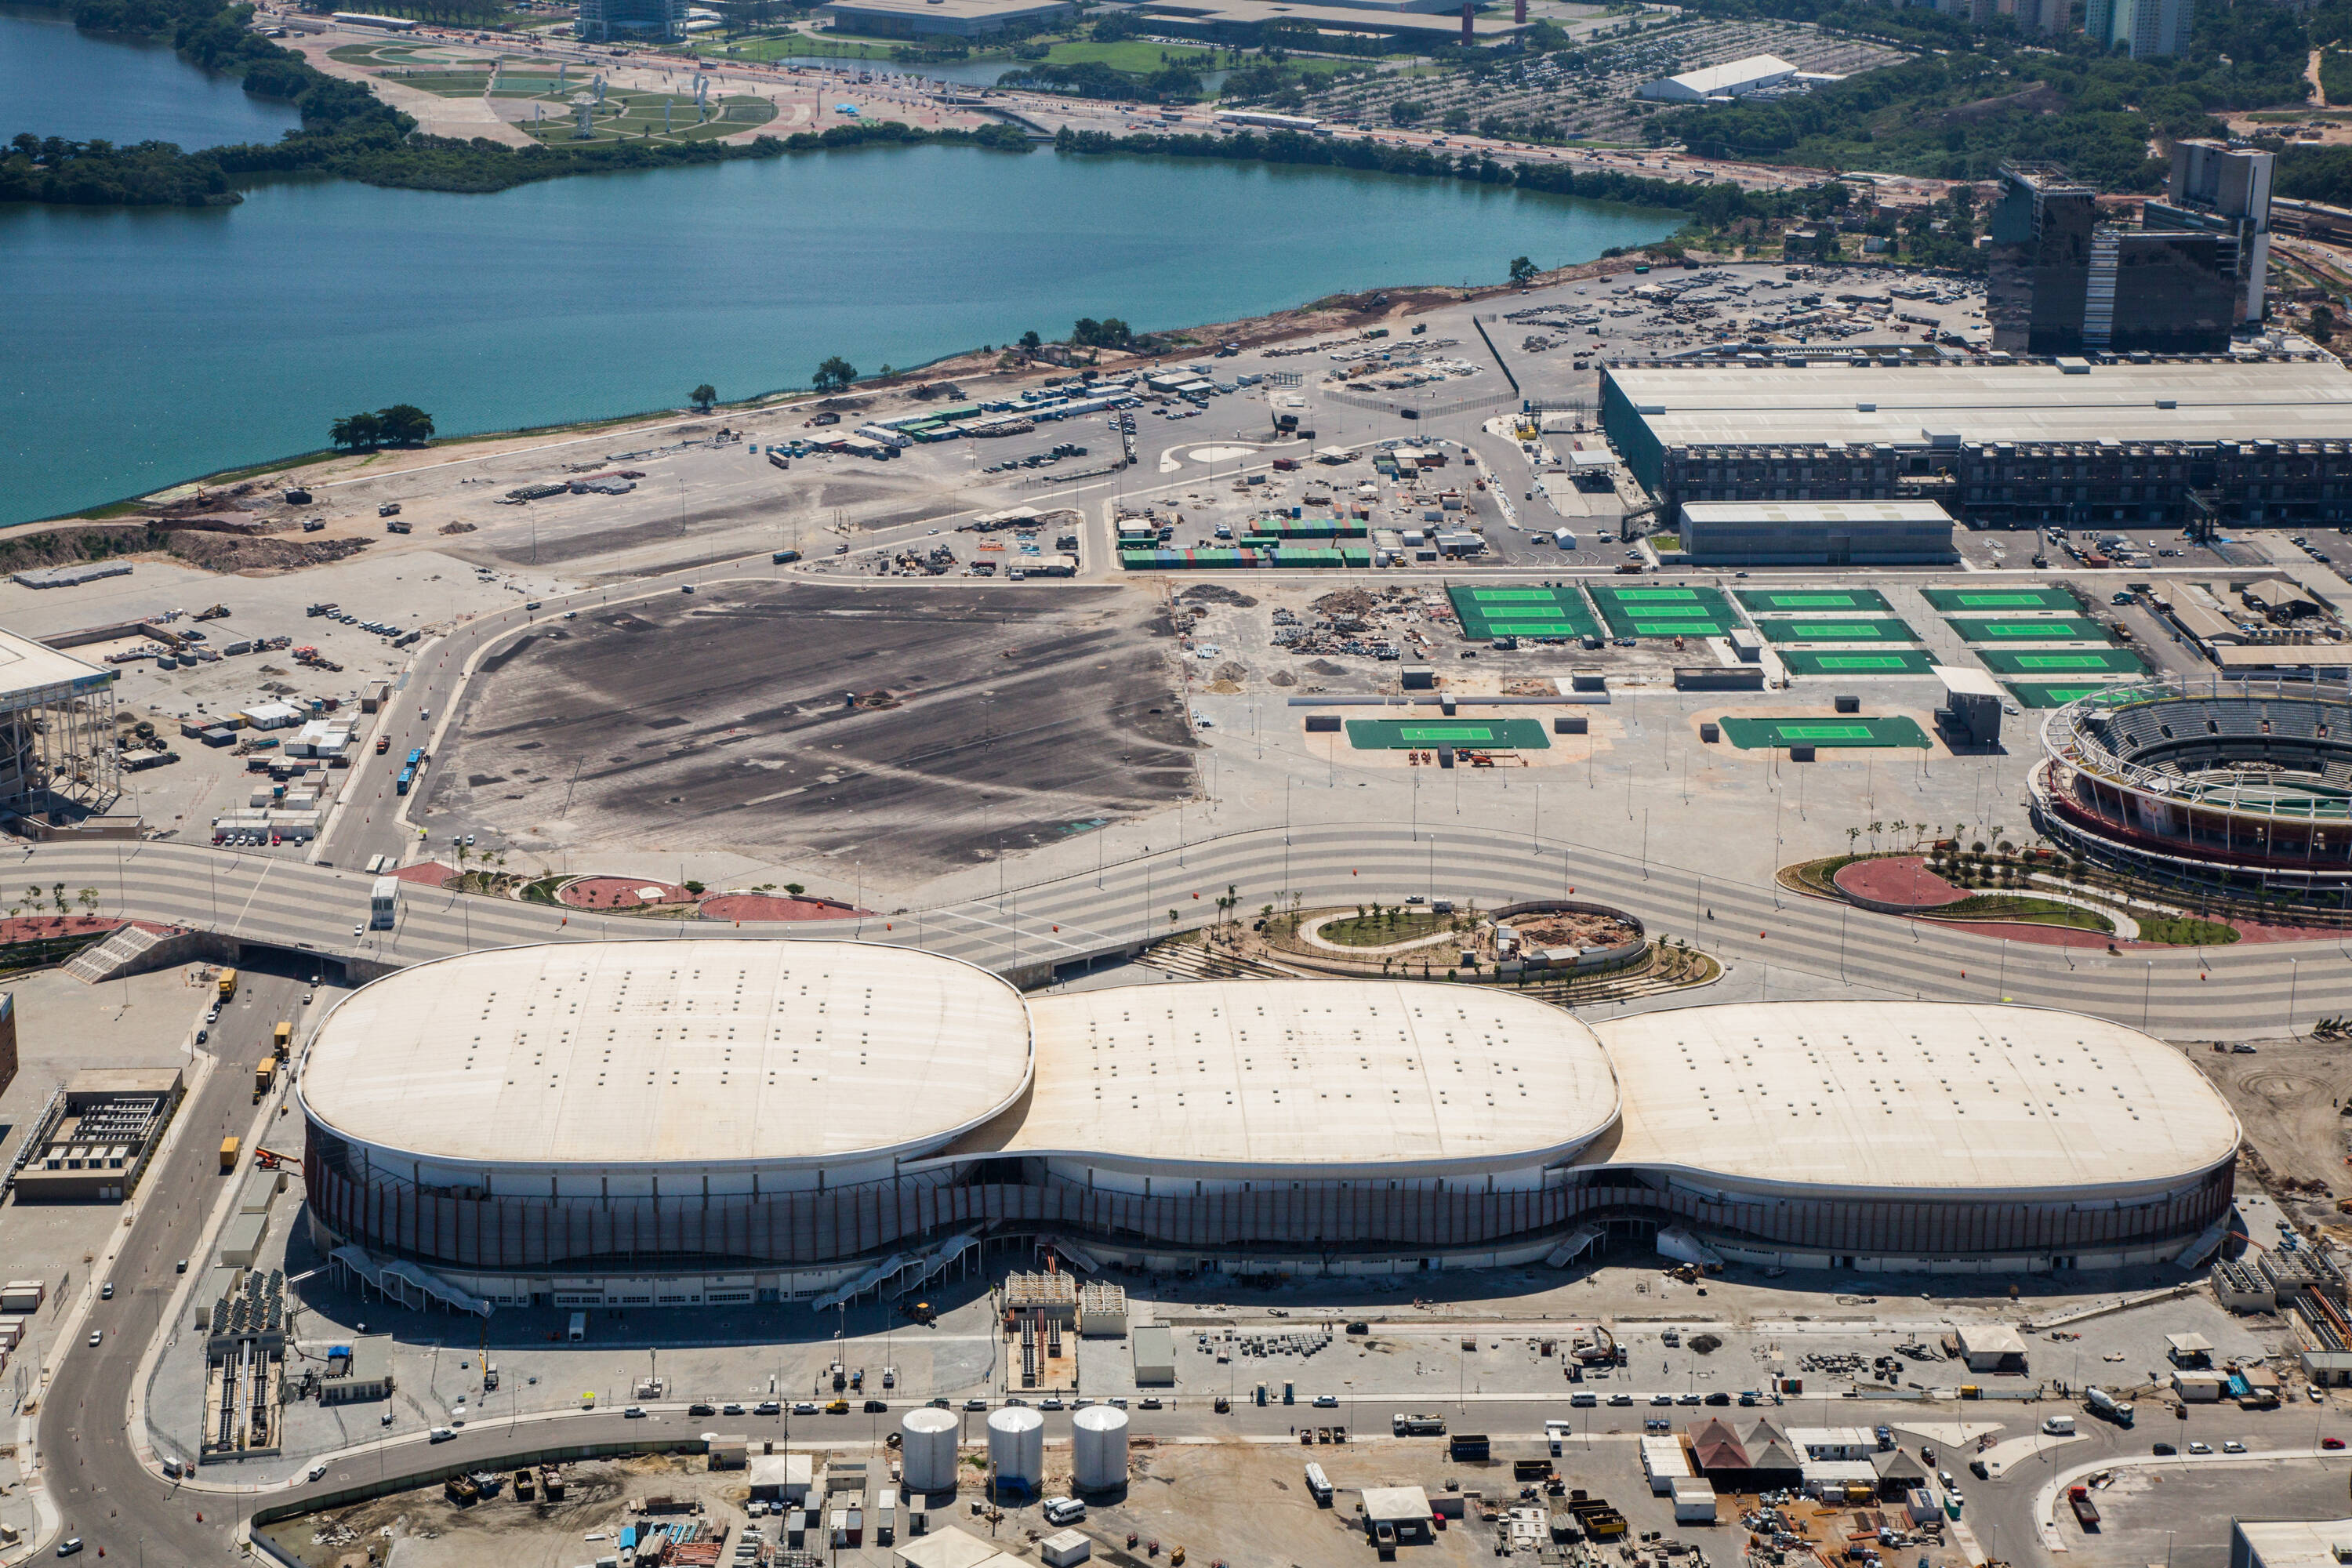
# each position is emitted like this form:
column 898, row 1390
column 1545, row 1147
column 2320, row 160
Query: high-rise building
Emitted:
column 2041, row 261
column 2145, row 26
column 2062, row 282
column 2227, row 190
column 632, row 21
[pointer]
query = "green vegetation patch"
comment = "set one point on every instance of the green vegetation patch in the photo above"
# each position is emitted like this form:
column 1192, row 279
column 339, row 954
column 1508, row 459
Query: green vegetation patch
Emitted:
column 1383, row 930
column 1814, row 601
column 1887, row 662
column 2185, row 931
column 2023, row 909
column 2062, row 661
column 654, row 117
column 1874, row 629
column 1522, row 612
column 1428, row 734
column 1754, row 734
column 2031, row 628
column 1664, row 611
column 1963, row 600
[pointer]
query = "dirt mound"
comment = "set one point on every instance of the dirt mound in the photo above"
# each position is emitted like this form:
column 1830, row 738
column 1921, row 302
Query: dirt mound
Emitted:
column 1346, row 602
column 1282, row 677
column 191, row 539
column 1217, row 594
column 457, row 527
column 1229, row 670
column 1570, row 929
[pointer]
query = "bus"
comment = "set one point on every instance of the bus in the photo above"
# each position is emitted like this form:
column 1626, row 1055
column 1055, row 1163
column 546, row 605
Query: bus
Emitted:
column 383, row 903
column 1318, row 1486
column 378, row 865
column 407, row 776
column 415, row 758
column 227, row 984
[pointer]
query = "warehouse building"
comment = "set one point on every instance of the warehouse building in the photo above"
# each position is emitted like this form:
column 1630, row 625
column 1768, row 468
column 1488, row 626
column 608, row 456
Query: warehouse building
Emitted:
column 1817, row 534
column 698, row 1123
column 1735, row 78
column 2010, row 442
column 939, row 18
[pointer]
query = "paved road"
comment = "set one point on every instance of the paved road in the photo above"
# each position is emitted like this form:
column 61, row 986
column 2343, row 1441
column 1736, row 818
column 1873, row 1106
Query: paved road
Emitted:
column 91, row 1472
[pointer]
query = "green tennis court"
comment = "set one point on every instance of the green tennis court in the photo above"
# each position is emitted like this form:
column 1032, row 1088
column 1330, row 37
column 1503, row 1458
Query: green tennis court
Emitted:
column 1478, row 734
column 1749, row 734
column 2033, row 628
column 1664, row 612
column 2025, row 598
column 1799, row 601
column 2063, row 661
column 1874, row 629
column 1892, row 661
column 2051, row 694
column 1522, row 612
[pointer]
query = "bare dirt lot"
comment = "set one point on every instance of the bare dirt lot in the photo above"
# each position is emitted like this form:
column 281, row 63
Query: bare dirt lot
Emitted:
column 2289, row 1095
column 986, row 721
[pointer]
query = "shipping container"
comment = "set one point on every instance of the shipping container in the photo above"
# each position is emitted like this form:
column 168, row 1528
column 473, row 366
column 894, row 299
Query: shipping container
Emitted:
column 228, row 1154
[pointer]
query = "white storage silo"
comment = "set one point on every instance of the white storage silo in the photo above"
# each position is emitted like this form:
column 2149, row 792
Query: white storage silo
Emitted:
column 1098, row 1441
column 926, row 1450
column 1016, row 1446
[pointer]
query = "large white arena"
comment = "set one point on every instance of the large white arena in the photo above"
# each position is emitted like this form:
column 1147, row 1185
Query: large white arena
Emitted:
column 704, row 1123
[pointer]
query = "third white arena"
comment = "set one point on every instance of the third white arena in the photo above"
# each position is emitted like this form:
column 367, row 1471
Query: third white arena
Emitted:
column 696, row 1122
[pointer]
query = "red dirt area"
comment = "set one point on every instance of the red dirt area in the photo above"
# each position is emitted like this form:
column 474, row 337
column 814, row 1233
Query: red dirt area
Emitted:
column 44, row 927
column 1902, row 880
column 768, row 907
column 2249, row 932
column 427, row 873
column 2039, row 936
column 620, row 893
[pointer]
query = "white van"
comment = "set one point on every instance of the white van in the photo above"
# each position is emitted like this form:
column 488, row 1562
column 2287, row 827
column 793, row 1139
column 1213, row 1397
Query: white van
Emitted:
column 579, row 1329
column 1064, row 1510
column 2058, row 1425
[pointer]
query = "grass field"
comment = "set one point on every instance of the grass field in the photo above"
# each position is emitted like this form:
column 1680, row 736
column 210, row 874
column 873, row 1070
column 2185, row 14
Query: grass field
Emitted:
column 1366, row 930
column 1664, row 612
column 1883, row 628
column 2028, row 629
column 2023, row 909
column 1977, row 599
column 1806, row 601
column 1876, row 661
column 634, row 116
column 2062, row 661
column 1522, row 612
column 1751, row 734
column 2051, row 694
column 1428, row 734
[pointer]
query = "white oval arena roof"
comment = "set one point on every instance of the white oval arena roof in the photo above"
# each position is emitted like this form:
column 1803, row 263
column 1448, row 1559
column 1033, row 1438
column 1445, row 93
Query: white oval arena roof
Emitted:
column 1308, row 1073
column 1884, row 1097
column 675, row 1052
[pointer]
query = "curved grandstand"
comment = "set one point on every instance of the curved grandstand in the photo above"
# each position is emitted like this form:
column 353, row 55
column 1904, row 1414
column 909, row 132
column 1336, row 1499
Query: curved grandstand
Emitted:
column 701, row 1123
column 2203, row 786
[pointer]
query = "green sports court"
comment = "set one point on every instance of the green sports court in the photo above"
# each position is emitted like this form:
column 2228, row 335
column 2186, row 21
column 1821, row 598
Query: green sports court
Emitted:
column 1814, row 601
column 1522, row 612
column 1753, row 735
column 2031, row 628
column 1875, row 661
column 1476, row 734
column 2062, row 661
column 2052, row 693
column 1964, row 600
column 1876, row 628
column 1664, row 612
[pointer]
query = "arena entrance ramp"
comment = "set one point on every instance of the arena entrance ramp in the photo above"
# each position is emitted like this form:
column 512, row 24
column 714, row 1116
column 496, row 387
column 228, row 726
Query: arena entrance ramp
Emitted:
column 407, row 1283
column 899, row 1271
column 1583, row 1239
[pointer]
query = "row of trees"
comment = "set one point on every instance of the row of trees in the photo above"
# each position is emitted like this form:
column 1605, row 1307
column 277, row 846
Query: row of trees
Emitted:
column 401, row 425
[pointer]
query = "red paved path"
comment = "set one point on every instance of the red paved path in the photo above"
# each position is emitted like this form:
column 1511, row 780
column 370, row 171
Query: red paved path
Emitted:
column 768, row 907
column 619, row 893
column 1897, row 880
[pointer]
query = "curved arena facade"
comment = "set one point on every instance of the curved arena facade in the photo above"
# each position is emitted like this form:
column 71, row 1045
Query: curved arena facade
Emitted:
column 709, row 1122
column 2204, row 787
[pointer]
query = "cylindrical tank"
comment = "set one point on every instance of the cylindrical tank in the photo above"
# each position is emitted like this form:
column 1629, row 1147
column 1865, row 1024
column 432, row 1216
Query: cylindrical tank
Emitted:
column 1098, row 1441
column 1016, row 1446
column 926, row 1450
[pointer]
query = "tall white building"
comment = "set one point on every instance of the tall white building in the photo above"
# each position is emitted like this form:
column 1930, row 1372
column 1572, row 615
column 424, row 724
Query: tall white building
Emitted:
column 2146, row 26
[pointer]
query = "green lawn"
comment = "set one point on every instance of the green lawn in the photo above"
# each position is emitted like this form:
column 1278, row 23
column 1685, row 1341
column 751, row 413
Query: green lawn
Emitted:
column 632, row 116
column 2024, row 910
column 2185, row 931
column 1367, row 931
column 1131, row 56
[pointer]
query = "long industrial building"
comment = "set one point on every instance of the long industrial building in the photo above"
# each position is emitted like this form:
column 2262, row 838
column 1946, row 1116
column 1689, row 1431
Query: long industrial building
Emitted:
column 701, row 1123
column 1997, row 442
